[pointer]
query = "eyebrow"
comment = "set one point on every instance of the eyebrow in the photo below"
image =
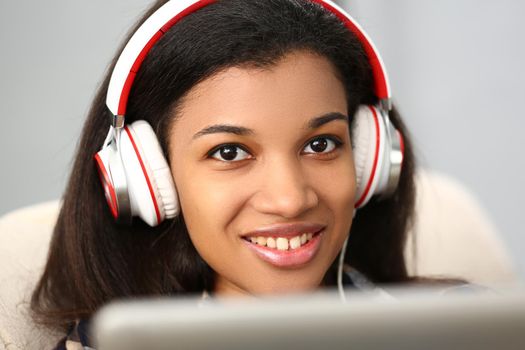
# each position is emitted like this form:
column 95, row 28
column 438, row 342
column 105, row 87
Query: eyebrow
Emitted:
column 314, row 123
column 224, row 128
column 326, row 118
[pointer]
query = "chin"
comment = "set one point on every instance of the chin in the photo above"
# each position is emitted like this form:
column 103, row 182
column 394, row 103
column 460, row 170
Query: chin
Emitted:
column 288, row 284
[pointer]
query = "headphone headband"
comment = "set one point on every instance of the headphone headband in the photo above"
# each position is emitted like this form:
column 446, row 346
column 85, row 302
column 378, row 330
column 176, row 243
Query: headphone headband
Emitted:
column 138, row 47
column 171, row 12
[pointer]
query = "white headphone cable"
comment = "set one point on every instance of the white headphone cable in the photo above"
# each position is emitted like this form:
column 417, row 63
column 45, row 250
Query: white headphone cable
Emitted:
column 340, row 265
column 340, row 272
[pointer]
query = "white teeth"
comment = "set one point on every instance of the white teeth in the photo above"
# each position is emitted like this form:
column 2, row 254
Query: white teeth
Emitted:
column 295, row 242
column 303, row 238
column 270, row 242
column 282, row 243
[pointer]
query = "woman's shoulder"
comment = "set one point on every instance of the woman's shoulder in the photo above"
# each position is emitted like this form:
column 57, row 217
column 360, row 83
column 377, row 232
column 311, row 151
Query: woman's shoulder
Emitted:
column 354, row 280
column 77, row 338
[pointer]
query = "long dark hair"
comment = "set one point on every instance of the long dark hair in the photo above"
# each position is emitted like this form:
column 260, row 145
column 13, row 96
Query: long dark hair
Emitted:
column 93, row 260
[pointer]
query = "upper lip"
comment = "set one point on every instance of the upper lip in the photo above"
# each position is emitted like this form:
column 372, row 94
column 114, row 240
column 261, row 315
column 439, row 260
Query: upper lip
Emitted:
column 285, row 229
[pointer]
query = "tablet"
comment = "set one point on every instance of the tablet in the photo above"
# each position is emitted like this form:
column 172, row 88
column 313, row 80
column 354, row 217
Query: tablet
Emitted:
column 402, row 319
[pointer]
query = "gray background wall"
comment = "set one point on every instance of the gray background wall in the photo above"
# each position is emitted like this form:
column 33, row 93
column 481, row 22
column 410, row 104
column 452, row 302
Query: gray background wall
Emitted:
column 455, row 68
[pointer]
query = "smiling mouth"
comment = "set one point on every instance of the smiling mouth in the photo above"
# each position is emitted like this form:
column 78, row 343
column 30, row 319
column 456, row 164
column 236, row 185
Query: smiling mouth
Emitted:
column 285, row 252
column 283, row 243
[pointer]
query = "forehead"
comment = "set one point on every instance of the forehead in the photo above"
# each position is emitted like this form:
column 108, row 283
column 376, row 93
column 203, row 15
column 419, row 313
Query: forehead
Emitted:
column 297, row 88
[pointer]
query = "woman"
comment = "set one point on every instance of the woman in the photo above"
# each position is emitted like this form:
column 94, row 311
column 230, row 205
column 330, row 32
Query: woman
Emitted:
column 257, row 107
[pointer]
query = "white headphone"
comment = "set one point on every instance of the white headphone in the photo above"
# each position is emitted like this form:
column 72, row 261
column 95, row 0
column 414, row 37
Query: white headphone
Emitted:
column 135, row 175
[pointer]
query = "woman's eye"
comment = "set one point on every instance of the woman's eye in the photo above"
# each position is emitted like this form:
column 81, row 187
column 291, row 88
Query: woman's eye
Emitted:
column 229, row 153
column 322, row 145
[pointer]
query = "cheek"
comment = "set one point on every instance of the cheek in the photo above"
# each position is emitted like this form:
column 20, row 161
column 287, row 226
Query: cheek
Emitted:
column 336, row 187
column 338, row 194
column 208, row 205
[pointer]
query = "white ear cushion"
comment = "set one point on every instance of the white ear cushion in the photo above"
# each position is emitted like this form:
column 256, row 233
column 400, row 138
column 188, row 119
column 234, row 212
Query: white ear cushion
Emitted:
column 360, row 136
column 365, row 143
column 157, row 168
column 142, row 202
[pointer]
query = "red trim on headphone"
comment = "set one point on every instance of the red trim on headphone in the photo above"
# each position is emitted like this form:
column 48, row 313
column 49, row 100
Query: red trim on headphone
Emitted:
column 380, row 81
column 401, row 143
column 109, row 191
column 186, row 12
column 150, row 187
column 376, row 158
column 401, row 146
column 123, row 102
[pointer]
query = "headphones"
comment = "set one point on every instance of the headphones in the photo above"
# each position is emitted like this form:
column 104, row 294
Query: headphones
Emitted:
column 135, row 175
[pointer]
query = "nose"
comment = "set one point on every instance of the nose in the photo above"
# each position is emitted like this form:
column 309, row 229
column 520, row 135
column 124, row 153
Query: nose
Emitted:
column 284, row 190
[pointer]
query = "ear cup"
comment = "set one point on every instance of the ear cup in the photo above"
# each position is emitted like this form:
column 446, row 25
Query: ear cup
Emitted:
column 151, row 189
column 368, row 147
column 112, row 175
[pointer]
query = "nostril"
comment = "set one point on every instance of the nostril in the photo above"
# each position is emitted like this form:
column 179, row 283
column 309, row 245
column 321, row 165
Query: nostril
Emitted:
column 286, row 203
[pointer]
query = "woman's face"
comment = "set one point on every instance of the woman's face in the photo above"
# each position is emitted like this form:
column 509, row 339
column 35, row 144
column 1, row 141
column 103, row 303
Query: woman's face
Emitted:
column 263, row 166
